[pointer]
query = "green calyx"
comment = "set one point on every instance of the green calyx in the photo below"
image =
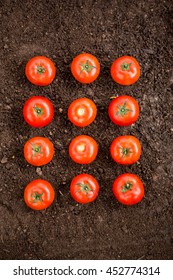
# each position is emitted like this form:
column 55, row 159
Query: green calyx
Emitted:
column 127, row 187
column 86, row 67
column 123, row 110
column 84, row 188
column 40, row 69
column 126, row 152
column 125, row 66
column 36, row 149
column 39, row 111
column 37, row 197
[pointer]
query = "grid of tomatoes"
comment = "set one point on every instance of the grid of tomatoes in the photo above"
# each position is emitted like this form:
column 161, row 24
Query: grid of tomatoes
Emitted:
column 38, row 112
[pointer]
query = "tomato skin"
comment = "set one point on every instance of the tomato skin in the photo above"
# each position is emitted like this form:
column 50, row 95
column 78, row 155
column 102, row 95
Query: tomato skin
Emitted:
column 125, row 70
column 40, row 71
column 38, row 111
column 82, row 112
column 84, row 188
column 83, row 149
column 123, row 110
column 125, row 149
column 128, row 189
column 38, row 151
column 85, row 68
column 39, row 194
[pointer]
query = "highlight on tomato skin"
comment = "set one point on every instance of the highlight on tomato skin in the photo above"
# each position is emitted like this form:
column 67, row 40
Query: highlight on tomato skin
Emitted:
column 85, row 68
column 84, row 188
column 82, row 112
column 38, row 151
column 123, row 110
column 83, row 149
column 39, row 194
column 125, row 70
column 40, row 71
column 128, row 189
column 125, row 149
column 38, row 111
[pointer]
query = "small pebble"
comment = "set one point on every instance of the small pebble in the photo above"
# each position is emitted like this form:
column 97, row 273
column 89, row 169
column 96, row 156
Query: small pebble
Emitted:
column 39, row 171
column 4, row 160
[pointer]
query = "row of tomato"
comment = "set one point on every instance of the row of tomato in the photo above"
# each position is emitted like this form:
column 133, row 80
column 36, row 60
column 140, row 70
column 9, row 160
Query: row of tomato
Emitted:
column 85, row 68
column 123, row 110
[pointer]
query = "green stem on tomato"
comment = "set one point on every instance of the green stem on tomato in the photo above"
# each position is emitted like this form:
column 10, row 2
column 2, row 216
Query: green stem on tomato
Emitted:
column 125, row 66
column 127, row 187
column 39, row 111
column 122, row 110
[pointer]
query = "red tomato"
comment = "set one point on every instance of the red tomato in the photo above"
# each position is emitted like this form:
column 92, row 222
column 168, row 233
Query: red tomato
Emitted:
column 38, row 151
column 82, row 112
column 125, row 149
column 38, row 111
column 39, row 194
column 40, row 71
column 125, row 70
column 85, row 68
column 83, row 149
column 123, row 110
column 128, row 189
column 84, row 188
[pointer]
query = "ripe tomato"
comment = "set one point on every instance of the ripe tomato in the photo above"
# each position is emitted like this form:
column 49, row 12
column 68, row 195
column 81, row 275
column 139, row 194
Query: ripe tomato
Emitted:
column 82, row 112
column 85, row 68
column 125, row 149
column 39, row 194
column 84, row 188
column 38, row 111
column 125, row 70
column 40, row 71
column 83, row 149
column 123, row 110
column 38, row 151
column 128, row 189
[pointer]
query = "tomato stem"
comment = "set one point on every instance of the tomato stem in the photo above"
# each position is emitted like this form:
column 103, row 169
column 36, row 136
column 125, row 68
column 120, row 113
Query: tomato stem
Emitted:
column 122, row 110
column 37, row 197
column 84, row 188
column 38, row 111
column 40, row 69
column 125, row 66
column 36, row 149
column 125, row 151
column 86, row 67
column 127, row 187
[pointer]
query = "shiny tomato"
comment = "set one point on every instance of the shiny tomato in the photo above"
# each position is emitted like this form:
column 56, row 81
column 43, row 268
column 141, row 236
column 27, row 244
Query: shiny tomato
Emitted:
column 38, row 151
column 128, row 189
column 84, row 188
column 123, row 110
column 38, row 111
column 83, row 149
column 125, row 70
column 85, row 68
column 40, row 71
column 82, row 112
column 39, row 194
column 125, row 149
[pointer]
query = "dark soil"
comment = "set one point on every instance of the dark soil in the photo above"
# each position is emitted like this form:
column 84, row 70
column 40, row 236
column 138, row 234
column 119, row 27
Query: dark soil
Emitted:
column 103, row 229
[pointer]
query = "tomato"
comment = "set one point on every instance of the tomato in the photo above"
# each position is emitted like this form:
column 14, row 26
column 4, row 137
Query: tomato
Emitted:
column 40, row 71
column 85, row 68
column 38, row 111
column 83, row 149
column 82, row 112
column 125, row 70
column 125, row 149
column 123, row 110
column 39, row 194
column 38, row 151
column 128, row 189
column 84, row 188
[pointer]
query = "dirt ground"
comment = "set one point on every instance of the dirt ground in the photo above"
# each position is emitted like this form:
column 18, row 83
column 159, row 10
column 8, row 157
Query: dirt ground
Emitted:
column 103, row 229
